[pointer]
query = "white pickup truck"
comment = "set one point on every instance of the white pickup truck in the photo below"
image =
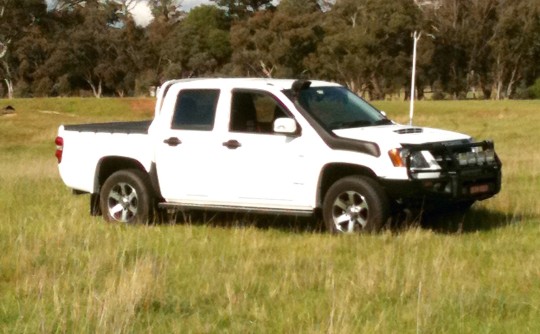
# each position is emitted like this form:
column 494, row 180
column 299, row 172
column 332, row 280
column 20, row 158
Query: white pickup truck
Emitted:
column 291, row 147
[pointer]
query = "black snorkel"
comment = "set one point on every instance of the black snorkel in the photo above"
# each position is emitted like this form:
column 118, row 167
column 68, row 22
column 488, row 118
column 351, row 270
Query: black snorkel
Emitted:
column 298, row 86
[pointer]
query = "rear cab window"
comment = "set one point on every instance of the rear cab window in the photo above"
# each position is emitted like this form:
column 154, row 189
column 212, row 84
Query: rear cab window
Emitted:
column 195, row 109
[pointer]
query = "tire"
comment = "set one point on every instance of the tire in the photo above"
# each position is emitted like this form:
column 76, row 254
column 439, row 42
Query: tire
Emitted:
column 127, row 197
column 355, row 204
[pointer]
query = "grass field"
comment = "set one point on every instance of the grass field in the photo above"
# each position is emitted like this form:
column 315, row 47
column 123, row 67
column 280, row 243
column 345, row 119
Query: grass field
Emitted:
column 62, row 271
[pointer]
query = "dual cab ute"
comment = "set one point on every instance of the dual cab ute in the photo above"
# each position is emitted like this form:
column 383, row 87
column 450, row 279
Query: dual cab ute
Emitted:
column 290, row 147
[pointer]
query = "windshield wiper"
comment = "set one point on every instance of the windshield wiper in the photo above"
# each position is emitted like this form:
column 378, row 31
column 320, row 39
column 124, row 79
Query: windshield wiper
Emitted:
column 359, row 123
column 350, row 124
column 384, row 121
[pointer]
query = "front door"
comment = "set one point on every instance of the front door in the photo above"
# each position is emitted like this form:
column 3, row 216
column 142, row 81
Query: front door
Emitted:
column 265, row 169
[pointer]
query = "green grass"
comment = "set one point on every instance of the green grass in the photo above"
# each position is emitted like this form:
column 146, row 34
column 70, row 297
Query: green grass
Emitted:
column 64, row 271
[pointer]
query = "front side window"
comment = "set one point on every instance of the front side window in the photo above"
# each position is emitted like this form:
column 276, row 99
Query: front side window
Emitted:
column 338, row 108
column 254, row 112
column 195, row 109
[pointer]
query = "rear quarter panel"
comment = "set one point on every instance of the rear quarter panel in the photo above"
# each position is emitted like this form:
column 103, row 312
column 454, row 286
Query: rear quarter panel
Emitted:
column 84, row 150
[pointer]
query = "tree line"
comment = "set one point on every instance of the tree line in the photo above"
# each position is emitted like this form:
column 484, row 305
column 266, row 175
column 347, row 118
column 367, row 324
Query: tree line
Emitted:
column 468, row 48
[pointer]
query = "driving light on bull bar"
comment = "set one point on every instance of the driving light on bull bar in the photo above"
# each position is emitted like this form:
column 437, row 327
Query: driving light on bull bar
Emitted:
column 476, row 158
column 490, row 156
column 481, row 158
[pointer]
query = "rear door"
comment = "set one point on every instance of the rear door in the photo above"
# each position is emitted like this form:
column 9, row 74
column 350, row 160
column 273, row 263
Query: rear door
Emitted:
column 187, row 151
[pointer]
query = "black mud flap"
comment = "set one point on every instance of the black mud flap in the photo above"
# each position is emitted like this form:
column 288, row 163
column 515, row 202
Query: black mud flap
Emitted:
column 94, row 205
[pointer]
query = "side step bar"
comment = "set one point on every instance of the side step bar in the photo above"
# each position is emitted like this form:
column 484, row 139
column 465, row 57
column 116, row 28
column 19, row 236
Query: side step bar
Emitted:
column 190, row 206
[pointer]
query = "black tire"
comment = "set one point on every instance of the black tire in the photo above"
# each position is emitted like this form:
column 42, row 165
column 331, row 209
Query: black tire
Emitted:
column 355, row 204
column 127, row 197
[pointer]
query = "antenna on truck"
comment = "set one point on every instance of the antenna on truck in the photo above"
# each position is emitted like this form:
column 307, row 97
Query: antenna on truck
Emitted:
column 416, row 37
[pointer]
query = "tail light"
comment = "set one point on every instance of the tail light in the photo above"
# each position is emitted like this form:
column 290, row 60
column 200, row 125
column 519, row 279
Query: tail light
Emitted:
column 59, row 141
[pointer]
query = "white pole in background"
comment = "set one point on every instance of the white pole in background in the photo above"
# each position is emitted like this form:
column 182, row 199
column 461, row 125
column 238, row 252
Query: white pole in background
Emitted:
column 416, row 37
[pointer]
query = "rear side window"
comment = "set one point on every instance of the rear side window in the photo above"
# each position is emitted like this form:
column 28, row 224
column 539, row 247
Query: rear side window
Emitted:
column 195, row 109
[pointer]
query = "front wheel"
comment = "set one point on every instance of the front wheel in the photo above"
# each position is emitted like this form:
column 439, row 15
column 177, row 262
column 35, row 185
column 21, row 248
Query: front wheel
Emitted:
column 355, row 204
column 126, row 197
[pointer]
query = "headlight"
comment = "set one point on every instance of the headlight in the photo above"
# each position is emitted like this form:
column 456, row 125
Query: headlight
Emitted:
column 418, row 159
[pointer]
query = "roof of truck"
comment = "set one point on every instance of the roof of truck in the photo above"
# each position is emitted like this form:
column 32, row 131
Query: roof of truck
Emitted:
column 231, row 83
column 244, row 82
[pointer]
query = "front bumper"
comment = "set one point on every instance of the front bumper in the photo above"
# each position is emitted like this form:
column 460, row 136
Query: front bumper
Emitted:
column 455, row 181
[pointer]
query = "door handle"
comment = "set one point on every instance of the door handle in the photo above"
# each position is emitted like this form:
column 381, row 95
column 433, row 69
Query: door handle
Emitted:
column 173, row 141
column 232, row 144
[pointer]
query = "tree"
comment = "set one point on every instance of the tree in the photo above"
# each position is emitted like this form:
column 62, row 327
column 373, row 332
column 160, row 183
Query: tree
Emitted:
column 198, row 45
column 126, row 6
column 513, row 45
column 483, row 43
column 89, row 49
column 368, row 45
column 166, row 11
column 488, row 46
column 243, row 9
column 276, row 43
column 461, row 56
column 30, row 53
column 62, row 5
column 16, row 18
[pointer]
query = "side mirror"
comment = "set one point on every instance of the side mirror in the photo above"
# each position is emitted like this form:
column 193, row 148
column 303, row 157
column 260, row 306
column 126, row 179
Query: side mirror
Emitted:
column 285, row 126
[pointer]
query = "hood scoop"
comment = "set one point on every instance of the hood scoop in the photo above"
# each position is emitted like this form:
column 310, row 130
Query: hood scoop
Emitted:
column 409, row 130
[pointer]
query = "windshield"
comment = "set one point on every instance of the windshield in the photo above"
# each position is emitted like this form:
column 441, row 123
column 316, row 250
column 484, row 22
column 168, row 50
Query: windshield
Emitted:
column 339, row 108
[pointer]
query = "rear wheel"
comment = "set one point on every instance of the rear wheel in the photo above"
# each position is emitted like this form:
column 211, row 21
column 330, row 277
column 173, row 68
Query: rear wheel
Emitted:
column 355, row 204
column 126, row 197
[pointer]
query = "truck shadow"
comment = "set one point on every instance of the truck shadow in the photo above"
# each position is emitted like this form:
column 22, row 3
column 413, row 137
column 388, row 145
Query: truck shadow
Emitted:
column 248, row 220
column 444, row 222
column 473, row 220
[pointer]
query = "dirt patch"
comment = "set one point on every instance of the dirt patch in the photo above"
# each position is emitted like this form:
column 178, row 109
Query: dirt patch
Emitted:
column 143, row 106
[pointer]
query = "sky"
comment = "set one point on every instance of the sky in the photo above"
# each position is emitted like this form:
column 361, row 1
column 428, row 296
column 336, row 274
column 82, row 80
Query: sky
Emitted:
column 142, row 15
